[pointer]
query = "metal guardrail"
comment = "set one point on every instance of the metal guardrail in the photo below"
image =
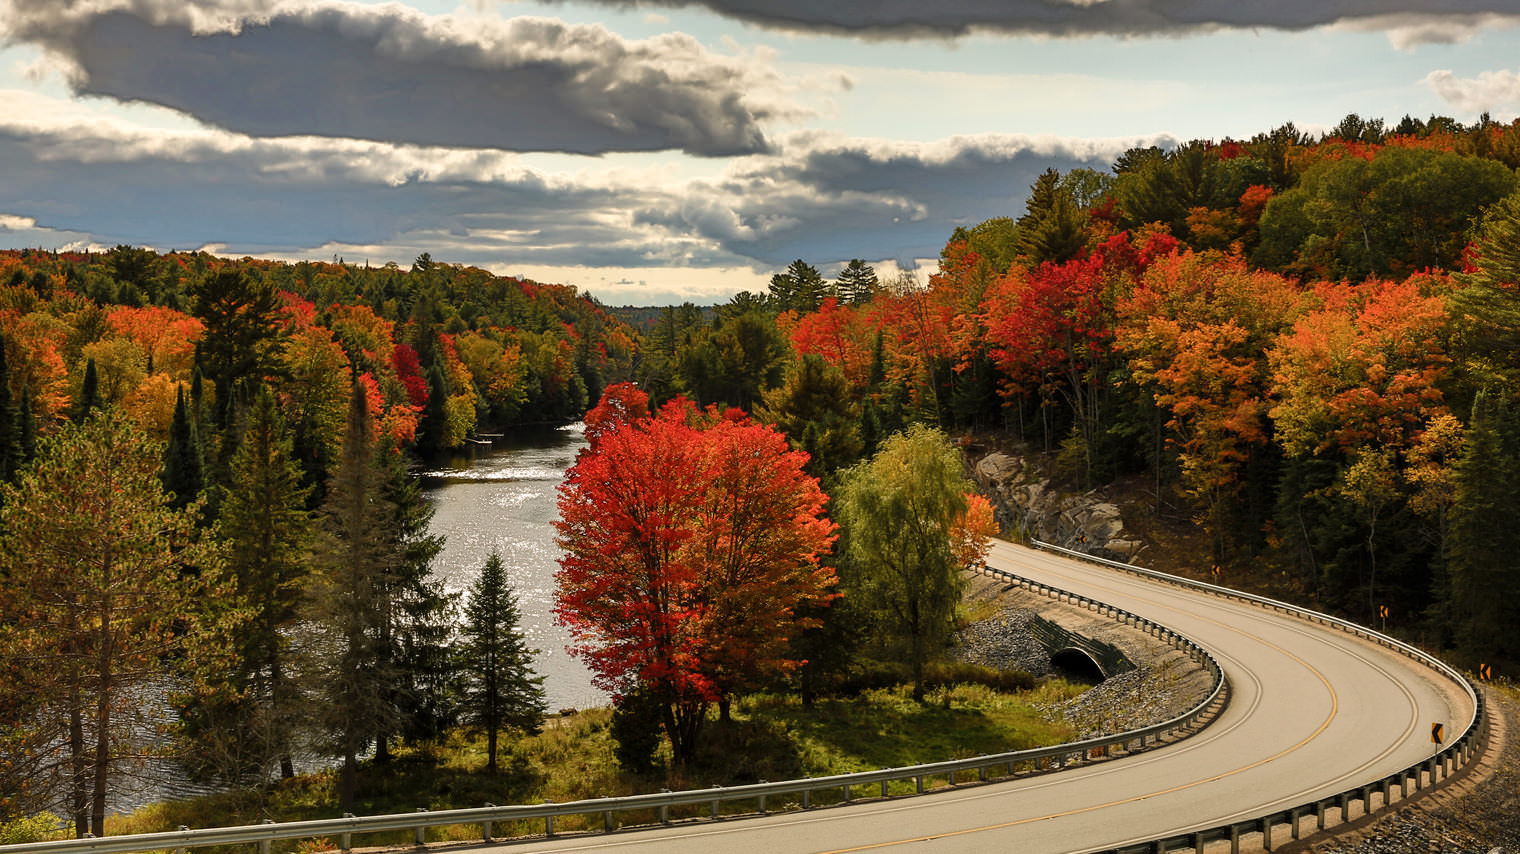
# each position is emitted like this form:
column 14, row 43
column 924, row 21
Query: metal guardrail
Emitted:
column 764, row 796
column 1425, row 773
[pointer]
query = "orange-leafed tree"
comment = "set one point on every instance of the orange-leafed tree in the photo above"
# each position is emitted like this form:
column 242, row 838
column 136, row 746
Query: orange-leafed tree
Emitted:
column 1196, row 329
column 691, row 540
column 167, row 337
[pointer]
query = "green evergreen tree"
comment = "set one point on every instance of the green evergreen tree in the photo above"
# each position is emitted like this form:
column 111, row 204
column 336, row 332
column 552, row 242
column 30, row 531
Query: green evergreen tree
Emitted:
column 244, row 337
column 89, row 394
column 419, row 615
column 354, row 679
column 269, row 534
column 110, row 594
column 1483, row 540
column 799, row 289
column 501, row 690
column 1052, row 228
column 1488, row 308
column 814, row 410
column 857, row 283
column 435, row 416
column 183, row 470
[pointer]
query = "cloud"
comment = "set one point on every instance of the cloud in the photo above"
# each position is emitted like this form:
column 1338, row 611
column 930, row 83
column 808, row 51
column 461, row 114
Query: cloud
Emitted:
column 826, row 199
column 831, row 199
column 392, row 74
column 1496, row 92
column 909, row 18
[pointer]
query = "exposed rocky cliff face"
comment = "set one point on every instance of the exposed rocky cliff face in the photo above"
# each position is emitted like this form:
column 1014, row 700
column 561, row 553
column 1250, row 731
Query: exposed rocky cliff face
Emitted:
column 1026, row 505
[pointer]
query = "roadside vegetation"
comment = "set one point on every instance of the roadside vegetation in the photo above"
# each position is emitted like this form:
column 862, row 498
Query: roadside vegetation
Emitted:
column 771, row 736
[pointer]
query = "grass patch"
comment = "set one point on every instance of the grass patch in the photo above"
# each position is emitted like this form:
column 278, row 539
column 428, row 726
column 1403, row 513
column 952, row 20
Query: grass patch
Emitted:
column 770, row 737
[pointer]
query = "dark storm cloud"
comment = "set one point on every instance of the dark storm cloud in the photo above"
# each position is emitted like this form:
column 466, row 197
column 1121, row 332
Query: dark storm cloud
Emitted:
column 388, row 73
column 906, row 18
column 831, row 201
column 190, row 190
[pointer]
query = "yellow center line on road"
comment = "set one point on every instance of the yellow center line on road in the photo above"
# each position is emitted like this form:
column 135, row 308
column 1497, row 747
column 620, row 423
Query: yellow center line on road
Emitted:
column 1334, row 708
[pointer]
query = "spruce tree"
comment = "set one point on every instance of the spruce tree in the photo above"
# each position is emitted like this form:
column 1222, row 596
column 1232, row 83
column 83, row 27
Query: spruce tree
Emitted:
column 419, row 610
column 857, row 283
column 183, row 470
column 349, row 599
column 89, row 394
column 501, row 690
column 435, row 416
column 269, row 534
column 1483, row 540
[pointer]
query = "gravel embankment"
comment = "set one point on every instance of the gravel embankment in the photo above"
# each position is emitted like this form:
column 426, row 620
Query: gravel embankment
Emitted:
column 1165, row 683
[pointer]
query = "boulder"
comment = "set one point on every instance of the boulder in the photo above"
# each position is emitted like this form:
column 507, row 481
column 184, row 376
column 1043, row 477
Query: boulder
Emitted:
column 1026, row 504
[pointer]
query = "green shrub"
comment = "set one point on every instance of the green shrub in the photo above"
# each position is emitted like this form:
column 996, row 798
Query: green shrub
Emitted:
column 37, row 828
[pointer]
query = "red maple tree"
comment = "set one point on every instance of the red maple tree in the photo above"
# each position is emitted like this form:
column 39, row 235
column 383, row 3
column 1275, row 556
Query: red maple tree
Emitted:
column 691, row 538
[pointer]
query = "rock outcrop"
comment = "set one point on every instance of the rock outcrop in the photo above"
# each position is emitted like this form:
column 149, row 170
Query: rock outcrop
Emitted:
column 1026, row 505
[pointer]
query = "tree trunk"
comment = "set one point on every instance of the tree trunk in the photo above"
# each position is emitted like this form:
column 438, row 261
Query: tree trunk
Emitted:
column 347, row 780
column 79, row 788
column 279, row 712
column 491, row 747
column 102, row 764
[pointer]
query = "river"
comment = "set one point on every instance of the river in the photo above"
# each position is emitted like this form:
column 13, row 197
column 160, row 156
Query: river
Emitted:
column 500, row 498
column 503, row 498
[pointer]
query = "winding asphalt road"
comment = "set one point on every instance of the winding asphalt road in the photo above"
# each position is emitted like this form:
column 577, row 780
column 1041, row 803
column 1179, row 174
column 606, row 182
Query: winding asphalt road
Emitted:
column 1314, row 711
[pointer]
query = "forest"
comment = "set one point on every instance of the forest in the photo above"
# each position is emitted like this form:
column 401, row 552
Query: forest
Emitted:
column 1305, row 347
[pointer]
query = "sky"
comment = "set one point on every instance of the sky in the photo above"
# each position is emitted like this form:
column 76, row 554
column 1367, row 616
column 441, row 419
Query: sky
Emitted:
column 658, row 151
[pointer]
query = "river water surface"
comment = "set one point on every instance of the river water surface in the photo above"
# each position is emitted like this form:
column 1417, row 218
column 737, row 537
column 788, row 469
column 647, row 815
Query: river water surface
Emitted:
column 504, row 498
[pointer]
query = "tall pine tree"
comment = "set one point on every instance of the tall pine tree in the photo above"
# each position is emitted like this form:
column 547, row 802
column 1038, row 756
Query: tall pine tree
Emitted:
column 501, row 690
column 1483, row 540
column 349, row 599
column 183, row 469
column 269, row 534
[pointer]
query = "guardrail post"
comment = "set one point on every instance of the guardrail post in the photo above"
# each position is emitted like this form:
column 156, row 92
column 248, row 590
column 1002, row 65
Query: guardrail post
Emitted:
column 485, row 828
column 549, row 823
column 884, row 789
column 664, row 809
column 346, row 839
column 418, row 834
column 606, row 821
column 918, row 784
column 807, row 799
column 714, row 812
column 183, row 829
column 264, row 845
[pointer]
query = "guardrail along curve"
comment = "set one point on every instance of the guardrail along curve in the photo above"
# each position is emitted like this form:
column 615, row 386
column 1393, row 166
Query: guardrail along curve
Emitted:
column 1426, row 773
column 763, row 795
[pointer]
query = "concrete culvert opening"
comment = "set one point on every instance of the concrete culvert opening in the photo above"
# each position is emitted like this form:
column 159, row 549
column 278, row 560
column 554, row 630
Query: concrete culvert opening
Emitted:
column 1077, row 666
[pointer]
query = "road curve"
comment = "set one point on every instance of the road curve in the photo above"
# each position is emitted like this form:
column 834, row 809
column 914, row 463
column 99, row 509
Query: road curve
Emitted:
column 1314, row 711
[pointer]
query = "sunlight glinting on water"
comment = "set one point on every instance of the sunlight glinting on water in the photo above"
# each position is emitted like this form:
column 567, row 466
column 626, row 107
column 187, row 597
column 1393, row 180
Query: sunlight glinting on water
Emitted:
column 505, row 500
